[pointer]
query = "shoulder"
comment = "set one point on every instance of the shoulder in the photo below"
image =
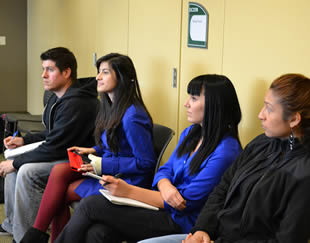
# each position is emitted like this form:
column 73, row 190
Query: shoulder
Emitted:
column 135, row 113
column 299, row 167
column 228, row 146
column 186, row 131
column 259, row 143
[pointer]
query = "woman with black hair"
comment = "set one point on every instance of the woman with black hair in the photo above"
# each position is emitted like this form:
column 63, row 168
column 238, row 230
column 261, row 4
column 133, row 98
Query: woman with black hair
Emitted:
column 181, row 186
column 123, row 136
column 264, row 196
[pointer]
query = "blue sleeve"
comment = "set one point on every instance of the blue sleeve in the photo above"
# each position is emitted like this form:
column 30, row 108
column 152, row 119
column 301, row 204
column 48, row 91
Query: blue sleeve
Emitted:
column 166, row 170
column 99, row 151
column 197, row 189
column 138, row 132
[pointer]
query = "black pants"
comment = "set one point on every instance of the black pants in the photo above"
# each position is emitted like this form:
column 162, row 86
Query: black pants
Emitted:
column 98, row 220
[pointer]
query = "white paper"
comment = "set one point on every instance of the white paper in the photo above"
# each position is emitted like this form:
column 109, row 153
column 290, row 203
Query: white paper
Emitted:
column 126, row 201
column 11, row 153
column 2, row 40
column 198, row 27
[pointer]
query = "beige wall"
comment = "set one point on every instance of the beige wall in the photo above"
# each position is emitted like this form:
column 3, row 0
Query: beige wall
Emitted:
column 252, row 42
column 262, row 40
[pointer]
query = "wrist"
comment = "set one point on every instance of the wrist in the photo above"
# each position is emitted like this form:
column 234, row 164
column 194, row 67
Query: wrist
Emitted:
column 162, row 183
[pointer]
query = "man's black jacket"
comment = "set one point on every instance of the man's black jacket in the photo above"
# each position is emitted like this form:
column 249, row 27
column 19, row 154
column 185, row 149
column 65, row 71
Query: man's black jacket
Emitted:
column 69, row 121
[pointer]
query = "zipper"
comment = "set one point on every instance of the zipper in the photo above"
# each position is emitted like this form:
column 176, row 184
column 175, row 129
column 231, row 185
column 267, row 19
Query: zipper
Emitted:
column 44, row 110
column 245, row 211
column 49, row 129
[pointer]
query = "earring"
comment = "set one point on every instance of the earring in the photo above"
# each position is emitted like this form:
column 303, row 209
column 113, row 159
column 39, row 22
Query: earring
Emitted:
column 291, row 139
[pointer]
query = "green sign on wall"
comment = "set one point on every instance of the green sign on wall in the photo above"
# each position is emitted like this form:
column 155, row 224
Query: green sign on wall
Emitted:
column 198, row 19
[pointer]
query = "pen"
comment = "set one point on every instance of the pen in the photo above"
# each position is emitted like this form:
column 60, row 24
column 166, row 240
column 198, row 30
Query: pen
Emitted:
column 118, row 175
column 14, row 135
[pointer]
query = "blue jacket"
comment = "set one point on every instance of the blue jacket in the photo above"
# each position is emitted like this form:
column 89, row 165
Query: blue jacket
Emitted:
column 136, row 159
column 196, row 188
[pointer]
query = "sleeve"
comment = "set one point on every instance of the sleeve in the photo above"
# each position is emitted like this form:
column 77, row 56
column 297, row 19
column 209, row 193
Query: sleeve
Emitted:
column 210, row 175
column 166, row 170
column 69, row 118
column 207, row 219
column 99, row 151
column 35, row 137
column 138, row 133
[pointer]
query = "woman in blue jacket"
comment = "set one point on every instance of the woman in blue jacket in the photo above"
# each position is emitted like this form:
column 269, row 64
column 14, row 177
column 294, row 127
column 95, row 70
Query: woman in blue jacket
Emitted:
column 181, row 186
column 123, row 133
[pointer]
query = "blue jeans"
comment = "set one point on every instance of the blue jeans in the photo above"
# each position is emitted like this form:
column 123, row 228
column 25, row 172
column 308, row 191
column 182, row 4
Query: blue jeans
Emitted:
column 23, row 192
column 166, row 239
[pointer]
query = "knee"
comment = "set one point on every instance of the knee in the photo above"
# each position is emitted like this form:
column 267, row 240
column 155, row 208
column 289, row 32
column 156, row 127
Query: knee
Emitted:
column 29, row 174
column 90, row 205
column 25, row 172
column 61, row 171
column 101, row 233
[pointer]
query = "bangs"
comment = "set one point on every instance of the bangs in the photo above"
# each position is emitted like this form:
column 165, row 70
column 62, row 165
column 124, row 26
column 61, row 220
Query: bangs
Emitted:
column 194, row 87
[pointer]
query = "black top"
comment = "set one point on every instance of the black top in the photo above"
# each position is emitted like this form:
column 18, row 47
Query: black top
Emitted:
column 69, row 121
column 263, row 197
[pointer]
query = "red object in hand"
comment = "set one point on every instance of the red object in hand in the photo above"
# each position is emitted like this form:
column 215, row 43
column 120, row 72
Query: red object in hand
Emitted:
column 75, row 160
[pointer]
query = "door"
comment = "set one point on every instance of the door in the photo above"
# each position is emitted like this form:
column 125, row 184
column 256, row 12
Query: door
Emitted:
column 154, row 46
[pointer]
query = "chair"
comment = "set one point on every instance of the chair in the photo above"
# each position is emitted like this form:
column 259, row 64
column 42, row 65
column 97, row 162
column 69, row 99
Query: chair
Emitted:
column 161, row 138
column 26, row 122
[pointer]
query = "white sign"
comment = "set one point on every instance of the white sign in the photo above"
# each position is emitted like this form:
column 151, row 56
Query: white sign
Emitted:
column 2, row 41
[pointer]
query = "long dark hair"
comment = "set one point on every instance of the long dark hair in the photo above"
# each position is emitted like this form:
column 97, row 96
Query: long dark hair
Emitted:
column 222, row 115
column 126, row 93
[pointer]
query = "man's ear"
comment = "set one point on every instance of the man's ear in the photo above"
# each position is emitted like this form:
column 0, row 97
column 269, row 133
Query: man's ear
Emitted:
column 67, row 73
column 295, row 120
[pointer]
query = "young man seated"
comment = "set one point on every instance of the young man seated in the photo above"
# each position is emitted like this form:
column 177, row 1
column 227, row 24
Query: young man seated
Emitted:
column 69, row 120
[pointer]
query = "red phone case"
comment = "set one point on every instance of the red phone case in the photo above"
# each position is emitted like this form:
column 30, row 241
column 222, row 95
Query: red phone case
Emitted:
column 75, row 161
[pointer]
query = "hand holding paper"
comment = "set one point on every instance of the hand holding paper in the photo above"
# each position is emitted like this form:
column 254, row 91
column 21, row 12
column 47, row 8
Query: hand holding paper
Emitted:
column 116, row 186
column 11, row 143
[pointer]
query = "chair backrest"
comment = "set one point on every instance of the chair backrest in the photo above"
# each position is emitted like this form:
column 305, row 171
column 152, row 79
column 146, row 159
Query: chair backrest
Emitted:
column 161, row 138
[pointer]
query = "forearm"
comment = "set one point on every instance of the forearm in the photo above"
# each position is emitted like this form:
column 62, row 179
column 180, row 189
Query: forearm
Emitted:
column 145, row 195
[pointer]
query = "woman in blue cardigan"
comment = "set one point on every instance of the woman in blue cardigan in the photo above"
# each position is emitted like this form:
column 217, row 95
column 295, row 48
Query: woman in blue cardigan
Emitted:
column 123, row 133
column 181, row 186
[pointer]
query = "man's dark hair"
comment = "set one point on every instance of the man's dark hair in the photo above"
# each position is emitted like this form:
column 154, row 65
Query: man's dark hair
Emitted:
column 63, row 59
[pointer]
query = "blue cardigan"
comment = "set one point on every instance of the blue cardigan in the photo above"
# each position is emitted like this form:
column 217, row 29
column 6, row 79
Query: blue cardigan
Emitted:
column 196, row 188
column 136, row 159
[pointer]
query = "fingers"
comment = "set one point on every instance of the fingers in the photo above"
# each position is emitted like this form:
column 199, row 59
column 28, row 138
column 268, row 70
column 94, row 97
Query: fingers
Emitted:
column 7, row 140
column 86, row 168
column 8, row 143
column 177, row 201
column 73, row 148
column 106, row 178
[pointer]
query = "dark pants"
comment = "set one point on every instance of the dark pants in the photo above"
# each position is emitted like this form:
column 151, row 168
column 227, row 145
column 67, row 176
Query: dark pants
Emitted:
column 98, row 220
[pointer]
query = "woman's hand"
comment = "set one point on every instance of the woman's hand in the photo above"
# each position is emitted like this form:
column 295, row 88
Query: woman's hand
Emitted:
column 198, row 237
column 171, row 195
column 82, row 150
column 86, row 168
column 13, row 143
column 117, row 187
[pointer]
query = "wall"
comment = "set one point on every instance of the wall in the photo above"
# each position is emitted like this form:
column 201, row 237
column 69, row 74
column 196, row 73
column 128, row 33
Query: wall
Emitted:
column 70, row 23
column 13, row 25
column 251, row 42
column 263, row 40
